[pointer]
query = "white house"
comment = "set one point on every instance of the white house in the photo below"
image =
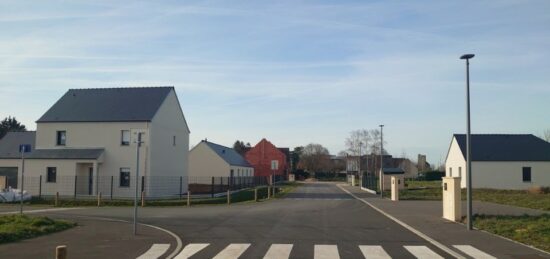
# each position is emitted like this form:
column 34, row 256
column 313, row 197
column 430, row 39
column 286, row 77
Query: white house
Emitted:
column 86, row 144
column 501, row 161
column 207, row 160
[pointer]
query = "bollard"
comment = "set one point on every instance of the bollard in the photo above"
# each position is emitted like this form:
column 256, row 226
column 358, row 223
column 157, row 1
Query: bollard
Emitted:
column 142, row 198
column 56, row 203
column 256, row 194
column 99, row 199
column 228, row 196
column 188, row 198
column 61, row 252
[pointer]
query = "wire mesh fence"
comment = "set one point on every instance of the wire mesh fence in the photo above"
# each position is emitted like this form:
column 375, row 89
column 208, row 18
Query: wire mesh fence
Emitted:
column 151, row 187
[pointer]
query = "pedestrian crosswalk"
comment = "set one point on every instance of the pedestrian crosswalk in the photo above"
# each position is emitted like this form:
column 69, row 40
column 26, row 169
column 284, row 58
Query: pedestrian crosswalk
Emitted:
column 320, row 251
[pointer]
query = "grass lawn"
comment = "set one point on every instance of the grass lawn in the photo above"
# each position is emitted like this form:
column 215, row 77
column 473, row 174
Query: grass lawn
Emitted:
column 431, row 190
column 17, row 227
column 531, row 230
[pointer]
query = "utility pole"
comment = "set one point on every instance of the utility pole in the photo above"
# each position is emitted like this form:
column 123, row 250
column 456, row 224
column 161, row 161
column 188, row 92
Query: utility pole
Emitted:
column 381, row 160
column 359, row 162
column 138, row 142
column 22, row 150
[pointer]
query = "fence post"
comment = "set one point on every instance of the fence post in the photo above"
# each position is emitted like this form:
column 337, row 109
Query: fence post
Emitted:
column 61, row 252
column 40, row 187
column 56, row 201
column 268, row 191
column 188, row 198
column 142, row 199
column 228, row 196
column 75, row 183
column 221, row 184
column 212, row 187
column 255, row 193
column 181, row 186
column 142, row 183
column 99, row 199
column 112, row 181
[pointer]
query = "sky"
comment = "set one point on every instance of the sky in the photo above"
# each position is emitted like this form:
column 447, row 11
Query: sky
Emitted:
column 294, row 72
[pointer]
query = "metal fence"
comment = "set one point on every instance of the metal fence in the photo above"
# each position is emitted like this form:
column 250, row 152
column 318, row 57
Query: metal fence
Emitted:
column 151, row 187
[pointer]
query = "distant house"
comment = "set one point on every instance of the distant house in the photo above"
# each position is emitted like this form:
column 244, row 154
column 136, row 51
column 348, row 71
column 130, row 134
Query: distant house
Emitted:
column 207, row 160
column 86, row 144
column 501, row 161
column 267, row 159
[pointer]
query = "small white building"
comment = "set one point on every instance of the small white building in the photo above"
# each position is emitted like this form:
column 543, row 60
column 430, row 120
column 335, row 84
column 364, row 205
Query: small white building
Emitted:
column 501, row 161
column 86, row 144
column 207, row 160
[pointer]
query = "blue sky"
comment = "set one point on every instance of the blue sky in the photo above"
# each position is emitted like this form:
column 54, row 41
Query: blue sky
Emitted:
column 294, row 72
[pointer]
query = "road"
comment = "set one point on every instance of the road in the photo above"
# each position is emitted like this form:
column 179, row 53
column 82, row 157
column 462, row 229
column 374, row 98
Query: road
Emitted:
column 316, row 220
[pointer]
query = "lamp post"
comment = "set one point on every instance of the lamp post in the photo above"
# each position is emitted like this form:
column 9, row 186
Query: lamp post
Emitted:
column 381, row 161
column 359, row 162
column 467, row 57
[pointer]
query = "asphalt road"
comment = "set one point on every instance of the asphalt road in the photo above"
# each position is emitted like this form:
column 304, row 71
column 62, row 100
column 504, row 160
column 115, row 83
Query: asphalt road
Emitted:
column 319, row 220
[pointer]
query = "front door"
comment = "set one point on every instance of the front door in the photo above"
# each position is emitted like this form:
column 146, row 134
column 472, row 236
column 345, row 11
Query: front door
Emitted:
column 90, row 180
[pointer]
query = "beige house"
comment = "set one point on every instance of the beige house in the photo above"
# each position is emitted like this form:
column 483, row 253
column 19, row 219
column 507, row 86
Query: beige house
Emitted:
column 86, row 143
column 501, row 161
column 207, row 160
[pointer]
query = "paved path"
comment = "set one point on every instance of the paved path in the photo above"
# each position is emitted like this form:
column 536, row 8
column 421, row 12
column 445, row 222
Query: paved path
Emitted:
column 317, row 220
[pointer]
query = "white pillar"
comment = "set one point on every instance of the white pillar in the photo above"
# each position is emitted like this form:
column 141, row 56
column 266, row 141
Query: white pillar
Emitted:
column 452, row 203
column 395, row 182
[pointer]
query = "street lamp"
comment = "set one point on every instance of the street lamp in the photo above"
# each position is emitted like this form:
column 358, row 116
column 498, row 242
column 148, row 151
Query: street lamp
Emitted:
column 467, row 57
column 381, row 160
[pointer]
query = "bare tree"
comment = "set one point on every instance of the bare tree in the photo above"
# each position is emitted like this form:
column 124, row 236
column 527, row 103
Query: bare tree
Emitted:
column 315, row 158
column 358, row 142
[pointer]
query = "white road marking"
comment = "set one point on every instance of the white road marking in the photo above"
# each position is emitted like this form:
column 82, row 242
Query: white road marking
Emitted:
column 232, row 251
column 326, row 252
column 374, row 252
column 155, row 251
column 422, row 252
column 473, row 252
column 278, row 251
column 418, row 233
column 39, row 210
column 189, row 250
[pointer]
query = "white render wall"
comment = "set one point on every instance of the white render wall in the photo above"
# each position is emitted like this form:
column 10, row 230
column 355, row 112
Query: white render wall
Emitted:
column 496, row 174
column 168, row 163
column 204, row 163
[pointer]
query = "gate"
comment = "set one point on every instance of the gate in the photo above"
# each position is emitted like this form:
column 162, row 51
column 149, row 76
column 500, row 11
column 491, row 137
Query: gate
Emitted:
column 370, row 181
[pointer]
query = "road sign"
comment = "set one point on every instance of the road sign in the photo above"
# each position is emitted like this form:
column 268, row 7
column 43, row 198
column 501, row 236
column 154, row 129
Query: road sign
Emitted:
column 25, row 148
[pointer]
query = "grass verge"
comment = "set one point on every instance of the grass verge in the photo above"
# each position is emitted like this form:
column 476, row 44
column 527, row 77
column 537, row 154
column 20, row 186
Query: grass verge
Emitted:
column 530, row 230
column 18, row 227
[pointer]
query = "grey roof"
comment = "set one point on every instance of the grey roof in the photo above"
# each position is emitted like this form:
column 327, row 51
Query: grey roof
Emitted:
column 107, row 104
column 505, row 147
column 230, row 156
column 66, row 153
column 9, row 148
column 9, row 144
column 391, row 170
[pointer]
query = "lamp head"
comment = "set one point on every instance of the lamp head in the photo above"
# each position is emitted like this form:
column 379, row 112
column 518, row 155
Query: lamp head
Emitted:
column 467, row 56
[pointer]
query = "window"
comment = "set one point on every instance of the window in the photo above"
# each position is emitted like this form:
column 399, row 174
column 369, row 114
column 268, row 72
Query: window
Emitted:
column 459, row 171
column 61, row 138
column 527, row 174
column 125, row 138
column 274, row 164
column 174, row 141
column 51, row 176
column 450, row 172
column 124, row 180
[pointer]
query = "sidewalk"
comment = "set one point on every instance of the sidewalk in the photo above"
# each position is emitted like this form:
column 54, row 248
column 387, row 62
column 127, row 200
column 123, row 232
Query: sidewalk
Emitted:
column 426, row 217
column 92, row 238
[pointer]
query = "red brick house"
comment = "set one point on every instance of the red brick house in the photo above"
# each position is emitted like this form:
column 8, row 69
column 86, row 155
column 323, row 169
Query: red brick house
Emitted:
column 267, row 159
